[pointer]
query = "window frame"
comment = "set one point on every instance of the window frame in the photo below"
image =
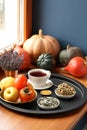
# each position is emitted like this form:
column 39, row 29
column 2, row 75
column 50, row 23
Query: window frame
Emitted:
column 27, row 19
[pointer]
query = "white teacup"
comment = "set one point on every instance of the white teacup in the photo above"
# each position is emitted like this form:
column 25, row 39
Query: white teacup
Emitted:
column 38, row 77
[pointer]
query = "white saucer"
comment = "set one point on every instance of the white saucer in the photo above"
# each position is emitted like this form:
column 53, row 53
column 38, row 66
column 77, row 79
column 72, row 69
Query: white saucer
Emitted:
column 47, row 85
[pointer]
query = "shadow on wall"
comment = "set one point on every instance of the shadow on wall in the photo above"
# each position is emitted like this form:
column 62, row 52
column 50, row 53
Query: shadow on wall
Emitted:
column 66, row 20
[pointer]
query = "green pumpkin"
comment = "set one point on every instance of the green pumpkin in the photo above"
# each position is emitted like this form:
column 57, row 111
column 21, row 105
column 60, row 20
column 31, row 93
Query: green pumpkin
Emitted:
column 68, row 53
column 45, row 61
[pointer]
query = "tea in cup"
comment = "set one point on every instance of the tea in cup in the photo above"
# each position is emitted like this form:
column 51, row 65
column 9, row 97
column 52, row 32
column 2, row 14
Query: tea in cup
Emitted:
column 38, row 77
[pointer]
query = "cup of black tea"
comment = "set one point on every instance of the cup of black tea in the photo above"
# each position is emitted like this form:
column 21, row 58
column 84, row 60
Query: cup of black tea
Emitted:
column 38, row 77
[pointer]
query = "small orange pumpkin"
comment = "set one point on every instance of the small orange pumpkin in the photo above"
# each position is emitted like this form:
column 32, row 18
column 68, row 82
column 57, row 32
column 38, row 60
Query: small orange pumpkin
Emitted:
column 39, row 43
column 77, row 66
column 27, row 58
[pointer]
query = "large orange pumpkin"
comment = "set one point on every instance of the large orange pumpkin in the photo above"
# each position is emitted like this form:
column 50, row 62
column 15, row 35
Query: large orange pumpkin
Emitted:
column 39, row 43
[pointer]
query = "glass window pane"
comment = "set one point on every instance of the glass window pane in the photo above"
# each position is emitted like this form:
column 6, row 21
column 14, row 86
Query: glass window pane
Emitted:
column 10, row 22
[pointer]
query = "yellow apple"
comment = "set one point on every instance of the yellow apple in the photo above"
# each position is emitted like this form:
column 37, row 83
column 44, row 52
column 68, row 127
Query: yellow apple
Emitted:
column 11, row 94
column 7, row 82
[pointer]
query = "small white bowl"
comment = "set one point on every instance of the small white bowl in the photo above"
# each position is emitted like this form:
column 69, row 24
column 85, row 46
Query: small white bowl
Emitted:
column 64, row 96
column 48, row 103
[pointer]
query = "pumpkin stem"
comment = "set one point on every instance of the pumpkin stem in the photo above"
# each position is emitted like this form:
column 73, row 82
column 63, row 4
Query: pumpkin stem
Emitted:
column 40, row 33
column 68, row 46
column 63, row 70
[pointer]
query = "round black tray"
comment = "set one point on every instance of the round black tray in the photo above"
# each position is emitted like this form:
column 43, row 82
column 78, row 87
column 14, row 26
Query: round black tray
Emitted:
column 65, row 104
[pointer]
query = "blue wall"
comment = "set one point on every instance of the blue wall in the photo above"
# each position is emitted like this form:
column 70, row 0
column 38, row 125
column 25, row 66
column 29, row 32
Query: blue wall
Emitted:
column 66, row 20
